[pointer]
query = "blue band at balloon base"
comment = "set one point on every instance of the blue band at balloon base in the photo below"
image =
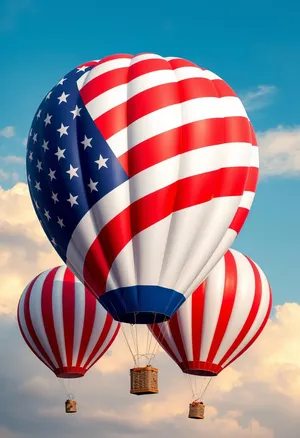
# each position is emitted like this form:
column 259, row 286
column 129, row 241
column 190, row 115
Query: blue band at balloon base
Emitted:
column 142, row 304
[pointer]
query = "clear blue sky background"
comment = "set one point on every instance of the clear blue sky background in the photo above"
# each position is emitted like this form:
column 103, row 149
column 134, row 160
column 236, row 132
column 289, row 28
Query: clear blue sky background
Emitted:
column 247, row 43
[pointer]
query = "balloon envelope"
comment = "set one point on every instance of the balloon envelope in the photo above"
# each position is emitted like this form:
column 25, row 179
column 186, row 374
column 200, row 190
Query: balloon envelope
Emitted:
column 63, row 324
column 139, row 168
column 221, row 319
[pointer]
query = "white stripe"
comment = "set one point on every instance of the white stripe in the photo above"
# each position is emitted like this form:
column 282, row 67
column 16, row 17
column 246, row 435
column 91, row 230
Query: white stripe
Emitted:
column 212, row 306
column 185, row 328
column 223, row 246
column 35, row 308
column 107, row 340
column 57, row 309
column 171, row 252
column 172, row 117
column 244, row 297
column 99, row 321
column 194, row 72
column 145, row 57
column 260, row 316
column 101, row 69
column 154, row 178
column 247, row 200
column 80, row 303
column 26, row 331
column 255, row 157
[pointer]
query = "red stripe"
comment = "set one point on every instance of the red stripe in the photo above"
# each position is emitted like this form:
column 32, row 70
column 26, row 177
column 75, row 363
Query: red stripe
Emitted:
column 197, row 313
column 229, row 294
column 102, row 337
column 254, row 139
column 151, row 209
column 252, row 179
column 154, row 99
column 30, row 327
column 257, row 333
column 180, row 62
column 89, row 321
column 252, row 314
column 176, row 334
column 200, row 368
column 186, row 138
column 68, row 308
column 239, row 219
column 157, row 331
column 47, row 314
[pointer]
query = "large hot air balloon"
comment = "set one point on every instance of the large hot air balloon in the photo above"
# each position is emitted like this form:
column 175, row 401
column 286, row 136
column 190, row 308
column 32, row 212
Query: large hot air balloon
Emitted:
column 218, row 323
column 64, row 325
column 141, row 170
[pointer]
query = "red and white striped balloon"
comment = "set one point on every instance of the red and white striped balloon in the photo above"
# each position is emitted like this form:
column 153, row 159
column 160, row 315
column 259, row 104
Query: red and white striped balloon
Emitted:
column 63, row 323
column 220, row 320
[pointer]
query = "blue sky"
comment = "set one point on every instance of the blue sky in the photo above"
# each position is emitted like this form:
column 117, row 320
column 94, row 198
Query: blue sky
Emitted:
column 253, row 46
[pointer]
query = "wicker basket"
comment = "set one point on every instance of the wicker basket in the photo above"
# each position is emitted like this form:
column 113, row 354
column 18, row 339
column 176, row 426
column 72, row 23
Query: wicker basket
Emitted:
column 144, row 380
column 196, row 410
column 71, row 407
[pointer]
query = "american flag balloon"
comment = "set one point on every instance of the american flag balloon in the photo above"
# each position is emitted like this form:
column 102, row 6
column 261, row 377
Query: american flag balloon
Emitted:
column 142, row 171
column 63, row 324
column 220, row 320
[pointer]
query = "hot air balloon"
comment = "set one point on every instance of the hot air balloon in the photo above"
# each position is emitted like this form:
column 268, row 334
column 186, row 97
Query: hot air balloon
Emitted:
column 64, row 326
column 218, row 323
column 140, row 170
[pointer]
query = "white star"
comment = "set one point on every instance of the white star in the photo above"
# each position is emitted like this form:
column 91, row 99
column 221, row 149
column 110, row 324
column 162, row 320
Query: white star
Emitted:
column 60, row 222
column 53, row 241
column 63, row 130
column 34, row 138
column 87, row 142
column 72, row 171
column 39, row 114
column 54, row 197
column 39, row 165
column 101, row 162
column 92, row 185
column 30, row 133
column 38, row 186
column 29, row 178
column 76, row 112
column 52, row 174
column 45, row 146
column 37, row 205
column 47, row 214
column 48, row 95
column 73, row 200
column 61, row 82
column 48, row 120
column 30, row 156
column 63, row 98
column 60, row 153
column 83, row 68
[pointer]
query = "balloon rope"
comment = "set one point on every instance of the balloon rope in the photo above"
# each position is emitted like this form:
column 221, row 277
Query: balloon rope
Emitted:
column 137, row 339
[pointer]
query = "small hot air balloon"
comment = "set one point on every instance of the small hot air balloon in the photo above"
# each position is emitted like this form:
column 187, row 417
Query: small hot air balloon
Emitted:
column 138, row 168
column 218, row 323
column 64, row 325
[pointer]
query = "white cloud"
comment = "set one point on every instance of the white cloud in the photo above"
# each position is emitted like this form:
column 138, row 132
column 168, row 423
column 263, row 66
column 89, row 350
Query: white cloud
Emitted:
column 258, row 98
column 8, row 131
column 257, row 396
column 12, row 159
column 280, row 151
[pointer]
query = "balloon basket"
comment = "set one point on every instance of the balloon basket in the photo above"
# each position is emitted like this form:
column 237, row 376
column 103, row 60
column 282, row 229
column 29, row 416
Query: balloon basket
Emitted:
column 144, row 380
column 196, row 410
column 71, row 407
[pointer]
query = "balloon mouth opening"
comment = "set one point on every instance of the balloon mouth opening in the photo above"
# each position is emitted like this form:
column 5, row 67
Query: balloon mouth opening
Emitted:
column 142, row 318
column 204, row 373
column 70, row 373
